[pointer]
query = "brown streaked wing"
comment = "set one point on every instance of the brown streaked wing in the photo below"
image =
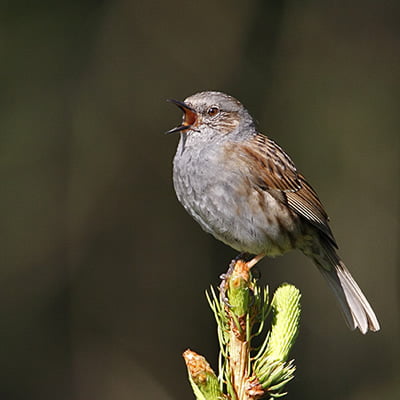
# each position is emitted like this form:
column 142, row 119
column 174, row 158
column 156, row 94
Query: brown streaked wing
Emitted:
column 278, row 172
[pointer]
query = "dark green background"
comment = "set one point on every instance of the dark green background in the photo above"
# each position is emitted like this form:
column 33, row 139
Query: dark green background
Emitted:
column 102, row 273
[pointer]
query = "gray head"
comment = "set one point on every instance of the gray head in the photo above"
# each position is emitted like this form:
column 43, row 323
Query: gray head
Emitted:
column 213, row 113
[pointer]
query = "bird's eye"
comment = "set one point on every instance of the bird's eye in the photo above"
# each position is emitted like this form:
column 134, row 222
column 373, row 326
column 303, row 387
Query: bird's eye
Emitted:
column 213, row 111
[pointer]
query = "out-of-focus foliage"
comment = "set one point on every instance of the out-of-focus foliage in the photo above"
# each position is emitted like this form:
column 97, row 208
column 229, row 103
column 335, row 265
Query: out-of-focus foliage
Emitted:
column 98, row 257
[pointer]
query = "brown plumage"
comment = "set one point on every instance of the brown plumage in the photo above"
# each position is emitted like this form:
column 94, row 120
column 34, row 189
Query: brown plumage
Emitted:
column 274, row 170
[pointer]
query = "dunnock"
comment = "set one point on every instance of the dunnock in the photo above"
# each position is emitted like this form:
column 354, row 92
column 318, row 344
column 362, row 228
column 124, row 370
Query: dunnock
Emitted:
column 241, row 187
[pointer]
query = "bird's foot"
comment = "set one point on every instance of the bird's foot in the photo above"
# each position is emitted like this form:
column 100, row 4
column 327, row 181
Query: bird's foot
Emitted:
column 255, row 260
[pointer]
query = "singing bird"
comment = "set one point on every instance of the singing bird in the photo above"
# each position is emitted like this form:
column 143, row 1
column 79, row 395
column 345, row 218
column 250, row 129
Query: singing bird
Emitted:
column 241, row 187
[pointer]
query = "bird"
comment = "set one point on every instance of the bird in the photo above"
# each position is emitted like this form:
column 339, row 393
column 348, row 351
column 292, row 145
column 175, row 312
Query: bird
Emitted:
column 242, row 188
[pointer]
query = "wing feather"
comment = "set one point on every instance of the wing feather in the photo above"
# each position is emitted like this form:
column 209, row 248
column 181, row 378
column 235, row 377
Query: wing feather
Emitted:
column 280, row 173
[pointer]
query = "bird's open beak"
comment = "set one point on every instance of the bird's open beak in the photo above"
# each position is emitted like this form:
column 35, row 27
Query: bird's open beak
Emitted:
column 189, row 117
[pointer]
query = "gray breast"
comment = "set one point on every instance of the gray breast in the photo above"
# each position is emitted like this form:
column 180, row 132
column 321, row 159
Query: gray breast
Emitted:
column 223, row 202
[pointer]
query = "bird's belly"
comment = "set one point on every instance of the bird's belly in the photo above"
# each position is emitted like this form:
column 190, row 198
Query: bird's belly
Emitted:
column 249, row 220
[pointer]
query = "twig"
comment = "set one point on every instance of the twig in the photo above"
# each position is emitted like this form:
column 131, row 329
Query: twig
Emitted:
column 241, row 311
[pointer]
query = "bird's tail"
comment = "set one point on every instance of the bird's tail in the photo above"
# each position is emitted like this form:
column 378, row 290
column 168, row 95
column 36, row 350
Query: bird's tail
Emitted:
column 355, row 307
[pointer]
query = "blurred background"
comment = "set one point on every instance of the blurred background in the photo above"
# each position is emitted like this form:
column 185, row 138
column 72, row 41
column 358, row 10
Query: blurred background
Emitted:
column 103, row 274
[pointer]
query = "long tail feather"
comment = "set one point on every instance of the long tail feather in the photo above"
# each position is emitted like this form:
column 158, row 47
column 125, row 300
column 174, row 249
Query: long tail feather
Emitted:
column 355, row 307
